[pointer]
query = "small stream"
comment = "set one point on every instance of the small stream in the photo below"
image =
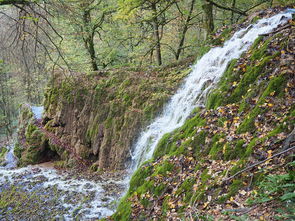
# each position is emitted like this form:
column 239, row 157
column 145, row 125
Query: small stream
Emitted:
column 10, row 159
column 61, row 194
column 65, row 194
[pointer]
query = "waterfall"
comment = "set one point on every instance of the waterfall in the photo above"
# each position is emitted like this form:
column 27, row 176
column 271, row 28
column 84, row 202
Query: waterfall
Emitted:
column 208, row 69
column 72, row 196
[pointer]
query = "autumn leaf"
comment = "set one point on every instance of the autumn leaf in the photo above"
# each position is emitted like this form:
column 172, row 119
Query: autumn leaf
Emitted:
column 270, row 105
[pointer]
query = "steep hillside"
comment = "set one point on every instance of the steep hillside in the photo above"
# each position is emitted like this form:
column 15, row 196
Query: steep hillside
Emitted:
column 232, row 159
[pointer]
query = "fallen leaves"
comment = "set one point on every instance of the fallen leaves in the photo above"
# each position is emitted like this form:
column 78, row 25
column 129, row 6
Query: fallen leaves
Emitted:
column 208, row 175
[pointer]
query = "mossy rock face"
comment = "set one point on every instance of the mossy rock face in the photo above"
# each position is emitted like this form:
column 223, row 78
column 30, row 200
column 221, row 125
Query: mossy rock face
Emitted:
column 3, row 151
column 32, row 146
column 246, row 120
column 102, row 114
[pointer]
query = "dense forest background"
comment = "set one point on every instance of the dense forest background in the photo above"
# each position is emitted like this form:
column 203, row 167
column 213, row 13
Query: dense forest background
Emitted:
column 39, row 38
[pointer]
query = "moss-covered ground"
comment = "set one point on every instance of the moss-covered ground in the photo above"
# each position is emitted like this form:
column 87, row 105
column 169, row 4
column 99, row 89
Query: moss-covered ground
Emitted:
column 194, row 173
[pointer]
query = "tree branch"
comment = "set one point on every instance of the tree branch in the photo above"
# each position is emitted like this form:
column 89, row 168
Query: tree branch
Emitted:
column 14, row 2
column 235, row 10
column 258, row 163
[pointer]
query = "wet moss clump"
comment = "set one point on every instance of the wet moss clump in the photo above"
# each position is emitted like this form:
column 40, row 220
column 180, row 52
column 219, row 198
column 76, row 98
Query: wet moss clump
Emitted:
column 138, row 178
column 170, row 143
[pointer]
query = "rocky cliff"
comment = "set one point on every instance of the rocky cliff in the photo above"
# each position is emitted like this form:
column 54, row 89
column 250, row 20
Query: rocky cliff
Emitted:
column 96, row 117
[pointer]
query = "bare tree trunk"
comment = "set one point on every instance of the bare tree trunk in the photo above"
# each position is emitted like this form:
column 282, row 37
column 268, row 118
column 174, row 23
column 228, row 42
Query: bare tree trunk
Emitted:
column 157, row 35
column 209, row 20
column 89, row 39
column 92, row 53
column 233, row 5
column 27, row 78
column 185, row 29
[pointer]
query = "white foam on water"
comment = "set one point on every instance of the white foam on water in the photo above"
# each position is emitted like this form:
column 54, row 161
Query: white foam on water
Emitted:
column 37, row 111
column 99, row 206
column 10, row 159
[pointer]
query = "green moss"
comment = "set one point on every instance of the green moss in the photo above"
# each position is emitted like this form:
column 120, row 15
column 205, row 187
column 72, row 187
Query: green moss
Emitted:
column 31, row 128
column 198, row 142
column 244, row 106
column 147, row 186
column 240, row 164
column 225, row 35
column 248, row 124
column 259, row 50
column 18, row 150
column 205, row 176
column 233, row 190
column 163, row 168
column 221, row 95
column 123, row 211
column 186, row 189
column 189, row 127
column 216, row 146
column 250, row 76
column 250, row 146
column 276, row 131
column 163, row 146
column 3, row 151
column 216, row 97
column 235, row 150
column 169, row 144
column 165, row 205
column 276, row 85
column 256, row 43
column 138, row 177
column 199, row 194
column 159, row 189
column 235, row 187
column 254, row 20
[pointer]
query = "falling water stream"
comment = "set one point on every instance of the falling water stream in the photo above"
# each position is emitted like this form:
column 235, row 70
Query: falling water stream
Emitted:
column 72, row 196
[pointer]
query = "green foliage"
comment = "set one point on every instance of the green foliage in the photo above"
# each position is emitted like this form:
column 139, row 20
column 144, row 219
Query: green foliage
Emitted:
column 278, row 188
column 122, row 32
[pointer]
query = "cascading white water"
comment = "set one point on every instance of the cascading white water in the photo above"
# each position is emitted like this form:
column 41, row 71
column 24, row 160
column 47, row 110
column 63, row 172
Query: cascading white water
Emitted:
column 208, row 69
column 71, row 191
